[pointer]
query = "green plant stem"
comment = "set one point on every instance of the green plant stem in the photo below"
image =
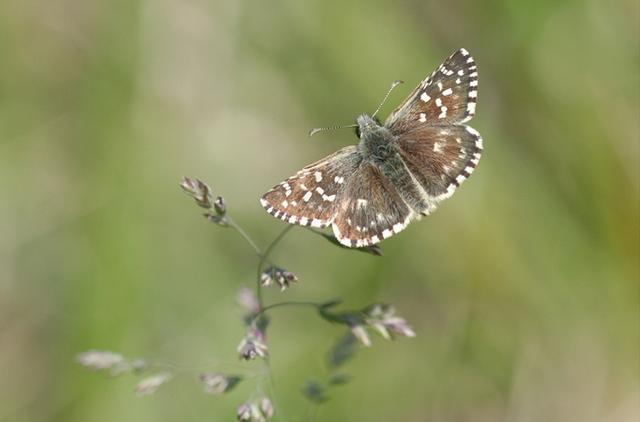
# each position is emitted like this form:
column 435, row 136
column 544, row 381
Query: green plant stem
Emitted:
column 281, row 304
column 244, row 234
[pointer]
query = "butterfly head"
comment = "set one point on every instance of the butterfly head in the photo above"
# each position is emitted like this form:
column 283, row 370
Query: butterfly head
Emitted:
column 366, row 124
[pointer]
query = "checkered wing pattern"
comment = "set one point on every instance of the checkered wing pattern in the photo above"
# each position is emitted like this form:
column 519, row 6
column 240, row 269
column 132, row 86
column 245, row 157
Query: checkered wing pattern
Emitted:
column 309, row 197
column 440, row 158
column 447, row 96
column 369, row 209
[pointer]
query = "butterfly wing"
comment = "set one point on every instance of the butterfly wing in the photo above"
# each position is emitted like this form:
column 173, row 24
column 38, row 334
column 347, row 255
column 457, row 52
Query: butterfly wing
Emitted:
column 447, row 96
column 369, row 208
column 440, row 158
column 309, row 197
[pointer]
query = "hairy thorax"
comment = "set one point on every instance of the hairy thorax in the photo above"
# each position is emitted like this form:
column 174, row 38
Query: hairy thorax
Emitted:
column 376, row 141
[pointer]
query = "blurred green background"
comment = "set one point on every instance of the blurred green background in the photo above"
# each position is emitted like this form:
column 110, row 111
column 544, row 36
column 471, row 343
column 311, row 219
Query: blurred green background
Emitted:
column 522, row 288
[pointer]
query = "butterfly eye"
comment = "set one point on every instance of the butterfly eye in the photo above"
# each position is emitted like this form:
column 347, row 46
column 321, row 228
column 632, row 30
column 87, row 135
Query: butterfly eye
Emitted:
column 358, row 131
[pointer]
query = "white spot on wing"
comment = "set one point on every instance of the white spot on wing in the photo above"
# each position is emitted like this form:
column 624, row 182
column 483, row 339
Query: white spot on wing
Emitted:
column 307, row 196
column 447, row 92
column 318, row 176
column 423, row 117
column 424, row 97
column 471, row 108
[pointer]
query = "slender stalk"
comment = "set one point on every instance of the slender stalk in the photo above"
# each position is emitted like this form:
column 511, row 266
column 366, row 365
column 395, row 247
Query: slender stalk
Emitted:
column 244, row 234
column 281, row 304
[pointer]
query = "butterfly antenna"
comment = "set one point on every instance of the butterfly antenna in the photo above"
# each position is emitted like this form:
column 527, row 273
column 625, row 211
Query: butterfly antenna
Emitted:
column 393, row 86
column 320, row 129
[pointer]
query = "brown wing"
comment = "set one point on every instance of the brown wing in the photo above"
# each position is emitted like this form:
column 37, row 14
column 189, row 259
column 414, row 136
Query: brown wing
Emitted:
column 369, row 209
column 309, row 197
column 440, row 157
column 447, row 96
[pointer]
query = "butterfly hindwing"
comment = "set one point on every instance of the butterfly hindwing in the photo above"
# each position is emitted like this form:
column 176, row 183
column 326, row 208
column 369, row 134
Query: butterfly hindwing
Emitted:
column 370, row 209
column 309, row 197
column 440, row 157
column 447, row 96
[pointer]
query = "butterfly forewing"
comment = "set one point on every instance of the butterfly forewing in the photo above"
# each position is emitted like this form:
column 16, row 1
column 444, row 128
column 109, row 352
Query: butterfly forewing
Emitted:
column 447, row 96
column 370, row 209
column 440, row 157
column 309, row 197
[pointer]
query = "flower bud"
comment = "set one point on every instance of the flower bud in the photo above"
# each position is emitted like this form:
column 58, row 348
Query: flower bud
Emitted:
column 198, row 190
column 360, row 333
column 220, row 206
column 218, row 383
column 218, row 219
column 244, row 412
column 266, row 407
column 383, row 319
column 253, row 345
column 151, row 384
column 283, row 277
column 100, row 359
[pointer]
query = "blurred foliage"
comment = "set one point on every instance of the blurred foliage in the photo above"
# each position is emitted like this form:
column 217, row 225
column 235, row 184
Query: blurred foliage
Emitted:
column 522, row 288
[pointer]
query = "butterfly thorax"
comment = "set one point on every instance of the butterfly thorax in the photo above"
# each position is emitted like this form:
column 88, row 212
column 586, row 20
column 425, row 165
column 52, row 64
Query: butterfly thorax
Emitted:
column 375, row 139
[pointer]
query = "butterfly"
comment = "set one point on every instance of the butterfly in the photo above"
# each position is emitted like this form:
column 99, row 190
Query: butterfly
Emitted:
column 399, row 171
